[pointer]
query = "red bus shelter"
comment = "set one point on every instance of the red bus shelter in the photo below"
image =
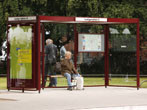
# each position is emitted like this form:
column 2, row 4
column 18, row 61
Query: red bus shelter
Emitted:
column 26, row 47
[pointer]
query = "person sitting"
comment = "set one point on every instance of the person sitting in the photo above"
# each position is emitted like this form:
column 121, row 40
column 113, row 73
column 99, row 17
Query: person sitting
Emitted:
column 68, row 70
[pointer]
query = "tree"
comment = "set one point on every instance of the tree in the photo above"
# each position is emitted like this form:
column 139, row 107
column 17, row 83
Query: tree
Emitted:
column 91, row 8
column 83, row 8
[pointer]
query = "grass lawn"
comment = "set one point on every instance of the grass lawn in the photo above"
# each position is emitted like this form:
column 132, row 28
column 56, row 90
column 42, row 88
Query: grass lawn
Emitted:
column 92, row 81
column 128, row 82
column 3, row 83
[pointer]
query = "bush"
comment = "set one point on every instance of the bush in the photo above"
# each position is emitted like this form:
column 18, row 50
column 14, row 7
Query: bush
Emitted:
column 3, row 67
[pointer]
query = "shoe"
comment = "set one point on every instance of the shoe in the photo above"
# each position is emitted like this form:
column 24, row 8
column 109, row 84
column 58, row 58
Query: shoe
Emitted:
column 50, row 85
column 69, row 88
column 54, row 86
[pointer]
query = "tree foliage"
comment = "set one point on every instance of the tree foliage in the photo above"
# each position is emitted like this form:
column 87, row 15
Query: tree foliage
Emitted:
column 91, row 8
column 84, row 8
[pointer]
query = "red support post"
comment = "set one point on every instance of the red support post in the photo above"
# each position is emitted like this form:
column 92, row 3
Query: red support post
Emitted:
column 138, row 57
column 38, row 54
column 43, row 57
column 8, row 60
column 34, row 55
column 75, row 46
column 106, row 29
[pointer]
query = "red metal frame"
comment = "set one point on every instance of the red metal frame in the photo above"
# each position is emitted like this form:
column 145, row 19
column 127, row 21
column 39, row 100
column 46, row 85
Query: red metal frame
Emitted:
column 76, row 45
column 29, row 84
column 72, row 20
column 43, row 55
column 33, row 55
column 8, row 61
column 63, row 19
column 138, row 56
column 122, row 20
column 56, row 19
column 106, row 55
column 38, row 53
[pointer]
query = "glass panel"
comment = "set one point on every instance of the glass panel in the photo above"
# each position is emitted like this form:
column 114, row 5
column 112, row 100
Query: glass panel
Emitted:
column 91, row 64
column 63, row 37
column 143, row 63
column 20, row 38
column 122, row 51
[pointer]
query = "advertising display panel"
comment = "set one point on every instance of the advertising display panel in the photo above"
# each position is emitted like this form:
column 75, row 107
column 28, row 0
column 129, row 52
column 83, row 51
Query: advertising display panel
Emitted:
column 20, row 38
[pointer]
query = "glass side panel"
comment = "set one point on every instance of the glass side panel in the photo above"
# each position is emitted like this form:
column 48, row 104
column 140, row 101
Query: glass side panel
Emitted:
column 63, row 37
column 122, row 55
column 91, row 63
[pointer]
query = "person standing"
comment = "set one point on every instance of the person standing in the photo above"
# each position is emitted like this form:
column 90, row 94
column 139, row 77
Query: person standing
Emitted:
column 50, row 61
column 62, row 51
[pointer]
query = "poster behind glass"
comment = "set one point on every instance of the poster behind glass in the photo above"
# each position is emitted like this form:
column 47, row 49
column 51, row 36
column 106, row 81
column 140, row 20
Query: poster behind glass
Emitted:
column 91, row 42
column 20, row 38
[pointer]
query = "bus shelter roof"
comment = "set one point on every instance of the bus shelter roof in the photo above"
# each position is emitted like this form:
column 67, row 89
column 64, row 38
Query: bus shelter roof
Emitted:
column 87, row 20
column 73, row 20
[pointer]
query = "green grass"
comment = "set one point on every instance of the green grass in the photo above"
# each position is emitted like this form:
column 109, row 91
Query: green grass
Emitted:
column 144, row 85
column 92, row 81
column 3, row 83
column 123, row 81
column 127, row 82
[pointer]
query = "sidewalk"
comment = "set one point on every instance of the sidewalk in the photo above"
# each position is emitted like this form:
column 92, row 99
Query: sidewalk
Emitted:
column 92, row 98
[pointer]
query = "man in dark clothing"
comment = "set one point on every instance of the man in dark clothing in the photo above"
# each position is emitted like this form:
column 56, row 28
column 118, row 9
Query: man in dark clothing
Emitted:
column 50, row 61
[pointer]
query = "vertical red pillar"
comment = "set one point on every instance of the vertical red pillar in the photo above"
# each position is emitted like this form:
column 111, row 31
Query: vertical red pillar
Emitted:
column 43, row 56
column 106, row 30
column 8, row 60
column 138, row 56
column 75, row 46
column 38, row 54
column 34, row 54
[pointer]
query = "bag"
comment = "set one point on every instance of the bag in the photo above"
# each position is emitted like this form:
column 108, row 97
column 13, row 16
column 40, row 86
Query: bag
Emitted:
column 79, row 83
column 58, row 67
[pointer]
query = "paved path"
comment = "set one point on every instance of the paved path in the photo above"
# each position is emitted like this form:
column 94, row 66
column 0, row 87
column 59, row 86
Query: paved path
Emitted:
column 92, row 98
